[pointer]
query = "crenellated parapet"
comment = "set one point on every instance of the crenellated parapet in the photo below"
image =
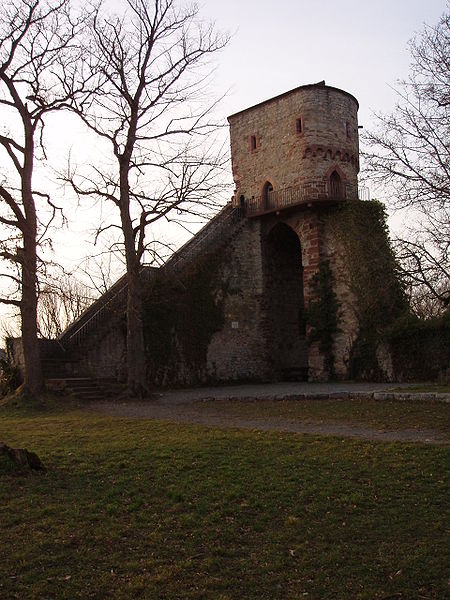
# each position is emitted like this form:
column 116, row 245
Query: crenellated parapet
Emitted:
column 330, row 153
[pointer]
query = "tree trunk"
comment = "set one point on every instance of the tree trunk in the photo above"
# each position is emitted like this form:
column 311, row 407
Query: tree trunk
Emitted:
column 136, row 363
column 33, row 378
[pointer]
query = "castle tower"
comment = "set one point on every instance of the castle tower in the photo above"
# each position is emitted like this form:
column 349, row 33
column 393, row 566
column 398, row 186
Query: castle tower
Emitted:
column 295, row 159
column 294, row 279
column 299, row 147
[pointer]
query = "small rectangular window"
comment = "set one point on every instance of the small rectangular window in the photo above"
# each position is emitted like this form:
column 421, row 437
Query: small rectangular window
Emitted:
column 348, row 129
column 299, row 125
column 253, row 142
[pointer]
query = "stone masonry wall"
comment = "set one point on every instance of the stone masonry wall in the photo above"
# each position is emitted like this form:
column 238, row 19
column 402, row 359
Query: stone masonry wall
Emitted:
column 239, row 350
column 244, row 349
column 104, row 355
column 348, row 323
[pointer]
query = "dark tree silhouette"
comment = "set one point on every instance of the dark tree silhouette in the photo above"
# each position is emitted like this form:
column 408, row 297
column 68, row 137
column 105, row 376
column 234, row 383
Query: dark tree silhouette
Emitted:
column 37, row 53
column 151, row 108
column 409, row 154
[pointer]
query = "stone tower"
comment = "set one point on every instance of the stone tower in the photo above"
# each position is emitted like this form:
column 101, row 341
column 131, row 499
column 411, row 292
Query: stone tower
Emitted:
column 294, row 158
column 299, row 146
column 293, row 279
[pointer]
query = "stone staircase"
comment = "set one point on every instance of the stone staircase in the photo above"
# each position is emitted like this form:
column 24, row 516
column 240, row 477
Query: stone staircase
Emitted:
column 217, row 232
column 86, row 388
column 61, row 358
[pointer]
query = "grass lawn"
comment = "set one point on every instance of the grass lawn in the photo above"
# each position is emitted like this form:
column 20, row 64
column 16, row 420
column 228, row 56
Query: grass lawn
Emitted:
column 140, row 508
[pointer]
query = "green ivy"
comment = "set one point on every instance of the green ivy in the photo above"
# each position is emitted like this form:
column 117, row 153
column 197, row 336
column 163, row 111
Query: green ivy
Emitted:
column 181, row 314
column 321, row 314
column 373, row 277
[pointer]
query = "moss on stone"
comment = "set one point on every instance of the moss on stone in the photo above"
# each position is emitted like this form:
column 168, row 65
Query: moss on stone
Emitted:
column 182, row 311
column 373, row 278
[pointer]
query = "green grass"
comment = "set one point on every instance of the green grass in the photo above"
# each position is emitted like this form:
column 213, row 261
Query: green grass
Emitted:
column 376, row 414
column 138, row 508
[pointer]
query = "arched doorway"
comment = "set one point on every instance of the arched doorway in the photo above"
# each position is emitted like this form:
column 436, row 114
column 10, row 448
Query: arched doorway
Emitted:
column 268, row 195
column 283, row 283
column 335, row 185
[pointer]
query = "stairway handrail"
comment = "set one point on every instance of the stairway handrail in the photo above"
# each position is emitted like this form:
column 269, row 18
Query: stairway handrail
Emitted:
column 198, row 241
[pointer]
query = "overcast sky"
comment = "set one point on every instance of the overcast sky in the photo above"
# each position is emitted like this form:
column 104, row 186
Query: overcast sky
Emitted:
column 359, row 46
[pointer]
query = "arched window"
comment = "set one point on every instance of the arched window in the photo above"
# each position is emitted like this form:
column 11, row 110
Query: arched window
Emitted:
column 335, row 185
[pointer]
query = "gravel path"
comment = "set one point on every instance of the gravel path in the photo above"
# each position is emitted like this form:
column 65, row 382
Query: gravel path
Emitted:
column 186, row 406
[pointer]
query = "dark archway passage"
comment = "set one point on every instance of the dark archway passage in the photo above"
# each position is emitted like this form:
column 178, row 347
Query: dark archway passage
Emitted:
column 283, row 278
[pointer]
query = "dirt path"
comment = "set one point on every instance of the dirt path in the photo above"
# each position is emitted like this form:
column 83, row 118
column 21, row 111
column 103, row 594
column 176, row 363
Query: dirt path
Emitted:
column 195, row 412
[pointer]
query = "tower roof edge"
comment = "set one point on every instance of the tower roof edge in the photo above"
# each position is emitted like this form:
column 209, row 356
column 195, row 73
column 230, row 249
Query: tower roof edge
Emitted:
column 320, row 85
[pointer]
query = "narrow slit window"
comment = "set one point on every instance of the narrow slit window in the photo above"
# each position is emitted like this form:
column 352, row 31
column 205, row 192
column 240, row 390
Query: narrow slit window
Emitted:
column 253, row 142
column 299, row 125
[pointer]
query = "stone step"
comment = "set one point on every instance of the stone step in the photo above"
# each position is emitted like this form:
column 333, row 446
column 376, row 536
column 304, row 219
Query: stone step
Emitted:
column 85, row 388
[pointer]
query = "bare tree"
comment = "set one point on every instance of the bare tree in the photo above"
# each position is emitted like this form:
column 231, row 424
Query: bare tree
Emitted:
column 36, row 54
column 409, row 154
column 151, row 111
column 61, row 301
column 424, row 261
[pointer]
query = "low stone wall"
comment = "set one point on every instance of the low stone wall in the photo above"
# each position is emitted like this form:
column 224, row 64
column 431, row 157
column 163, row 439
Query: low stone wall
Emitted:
column 420, row 350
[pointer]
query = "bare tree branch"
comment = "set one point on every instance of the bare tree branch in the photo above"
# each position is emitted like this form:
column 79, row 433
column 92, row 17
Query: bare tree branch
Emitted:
column 38, row 75
column 408, row 156
column 152, row 108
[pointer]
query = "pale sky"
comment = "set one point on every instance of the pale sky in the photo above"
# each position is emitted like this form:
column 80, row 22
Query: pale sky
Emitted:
column 359, row 46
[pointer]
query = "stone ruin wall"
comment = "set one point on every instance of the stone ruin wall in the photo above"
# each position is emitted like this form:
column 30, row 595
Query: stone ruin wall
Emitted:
column 285, row 157
column 294, row 140
column 239, row 350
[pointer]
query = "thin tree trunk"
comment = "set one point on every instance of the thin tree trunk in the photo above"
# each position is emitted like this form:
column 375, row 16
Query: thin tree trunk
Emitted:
column 33, row 378
column 137, row 383
column 136, row 363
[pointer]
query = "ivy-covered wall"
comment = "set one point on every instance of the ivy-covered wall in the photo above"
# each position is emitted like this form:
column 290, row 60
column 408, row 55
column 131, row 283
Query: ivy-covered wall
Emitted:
column 182, row 311
column 360, row 233
column 322, row 315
